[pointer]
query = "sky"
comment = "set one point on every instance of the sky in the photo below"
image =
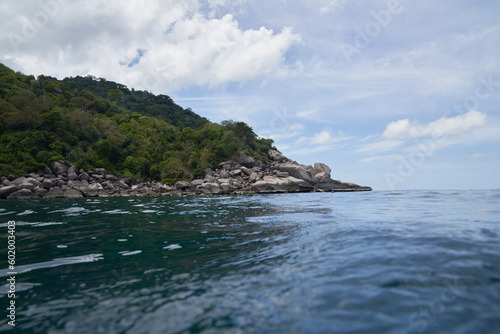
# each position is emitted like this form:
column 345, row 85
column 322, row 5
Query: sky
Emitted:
column 392, row 94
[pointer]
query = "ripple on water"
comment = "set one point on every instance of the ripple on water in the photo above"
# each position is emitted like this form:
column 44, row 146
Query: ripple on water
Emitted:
column 172, row 247
column 128, row 253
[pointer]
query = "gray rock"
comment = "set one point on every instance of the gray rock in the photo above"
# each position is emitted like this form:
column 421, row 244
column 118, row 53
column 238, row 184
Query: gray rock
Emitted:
column 123, row 185
column 95, row 186
column 55, row 192
column 22, row 193
column 282, row 174
column 85, row 184
column 40, row 192
column 275, row 156
column 181, row 185
column 227, row 188
column 225, row 175
column 47, row 170
column 110, row 177
column 246, row 161
column 73, row 193
column 7, row 190
column 75, row 184
column 223, row 180
column 208, row 171
column 253, row 177
column 6, row 183
column 72, row 169
column 17, row 181
column 100, row 171
column 84, row 176
column 35, row 182
column 275, row 184
column 59, row 168
column 212, row 188
column 322, row 168
column 72, row 176
column 87, row 192
column 246, row 171
column 298, row 172
column 197, row 182
column 27, row 185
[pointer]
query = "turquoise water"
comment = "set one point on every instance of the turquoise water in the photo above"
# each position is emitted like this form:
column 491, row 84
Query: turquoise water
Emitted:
column 374, row 262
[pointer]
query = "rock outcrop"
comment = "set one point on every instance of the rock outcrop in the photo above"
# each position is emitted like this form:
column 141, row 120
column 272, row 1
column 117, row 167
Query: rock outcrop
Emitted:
column 243, row 176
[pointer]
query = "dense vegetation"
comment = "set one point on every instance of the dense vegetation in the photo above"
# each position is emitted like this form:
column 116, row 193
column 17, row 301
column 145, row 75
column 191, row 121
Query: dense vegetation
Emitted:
column 91, row 122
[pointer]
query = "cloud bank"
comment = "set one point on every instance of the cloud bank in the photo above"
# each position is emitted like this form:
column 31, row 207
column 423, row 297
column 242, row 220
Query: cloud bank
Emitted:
column 154, row 45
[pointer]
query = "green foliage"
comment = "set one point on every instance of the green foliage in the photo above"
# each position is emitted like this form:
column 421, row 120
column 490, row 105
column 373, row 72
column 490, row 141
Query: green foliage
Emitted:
column 93, row 123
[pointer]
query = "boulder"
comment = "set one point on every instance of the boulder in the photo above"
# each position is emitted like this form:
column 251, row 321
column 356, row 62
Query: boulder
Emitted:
column 47, row 170
column 253, row 177
column 27, row 185
column 223, row 180
column 22, row 193
column 84, row 176
column 72, row 176
column 55, row 192
column 227, row 188
column 246, row 161
column 7, row 190
column 59, row 168
column 322, row 168
column 298, row 172
column 17, row 181
column 246, row 171
column 212, row 188
column 181, row 185
column 40, row 192
column 88, row 192
column 100, row 171
column 110, row 177
column 95, row 186
column 72, row 169
column 73, row 193
column 123, row 185
column 275, row 156
column 197, row 182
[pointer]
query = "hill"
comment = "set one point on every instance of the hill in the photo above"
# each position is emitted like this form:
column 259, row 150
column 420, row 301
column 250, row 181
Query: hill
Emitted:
column 94, row 123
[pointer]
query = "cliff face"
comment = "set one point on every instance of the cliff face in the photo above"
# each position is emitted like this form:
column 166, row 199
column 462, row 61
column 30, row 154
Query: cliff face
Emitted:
column 240, row 176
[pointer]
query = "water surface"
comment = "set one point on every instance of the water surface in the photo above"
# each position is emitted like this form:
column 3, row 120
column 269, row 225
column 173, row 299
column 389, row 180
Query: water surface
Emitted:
column 373, row 262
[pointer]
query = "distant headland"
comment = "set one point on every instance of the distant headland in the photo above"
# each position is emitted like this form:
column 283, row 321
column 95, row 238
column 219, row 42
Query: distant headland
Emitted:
column 89, row 137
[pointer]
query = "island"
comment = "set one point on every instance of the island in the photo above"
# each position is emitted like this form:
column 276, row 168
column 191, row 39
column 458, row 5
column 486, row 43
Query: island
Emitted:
column 90, row 137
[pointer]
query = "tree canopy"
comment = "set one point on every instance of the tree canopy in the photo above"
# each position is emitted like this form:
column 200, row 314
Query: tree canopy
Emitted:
column 91, row 123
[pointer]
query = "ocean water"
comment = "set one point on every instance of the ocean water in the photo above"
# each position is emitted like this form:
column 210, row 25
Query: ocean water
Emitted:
column 371, row 262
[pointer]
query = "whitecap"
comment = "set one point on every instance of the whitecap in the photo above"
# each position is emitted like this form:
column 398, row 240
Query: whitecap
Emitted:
column 26, row 212
column 121, row 240
column 127, row 253
column 62, row 246
column 172, row 247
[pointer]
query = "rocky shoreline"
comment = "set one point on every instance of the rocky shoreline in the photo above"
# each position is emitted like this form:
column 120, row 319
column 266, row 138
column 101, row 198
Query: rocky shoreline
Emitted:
column 243, row 176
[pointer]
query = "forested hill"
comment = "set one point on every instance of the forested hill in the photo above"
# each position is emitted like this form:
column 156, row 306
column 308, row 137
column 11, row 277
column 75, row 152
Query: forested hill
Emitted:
column 91, row 123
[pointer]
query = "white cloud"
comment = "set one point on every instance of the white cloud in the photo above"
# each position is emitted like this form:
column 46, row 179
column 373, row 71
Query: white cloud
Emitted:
column 443, row 127
column 326, row 137
column 182, row 47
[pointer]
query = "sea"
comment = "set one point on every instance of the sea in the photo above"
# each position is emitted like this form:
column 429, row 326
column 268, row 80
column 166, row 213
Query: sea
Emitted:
column 398, row 262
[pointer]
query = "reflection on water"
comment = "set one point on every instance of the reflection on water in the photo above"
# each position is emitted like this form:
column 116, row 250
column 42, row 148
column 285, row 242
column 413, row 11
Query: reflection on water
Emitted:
column 347, row 263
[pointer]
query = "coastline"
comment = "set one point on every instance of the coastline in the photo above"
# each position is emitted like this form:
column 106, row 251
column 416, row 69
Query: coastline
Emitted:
column 241, row 176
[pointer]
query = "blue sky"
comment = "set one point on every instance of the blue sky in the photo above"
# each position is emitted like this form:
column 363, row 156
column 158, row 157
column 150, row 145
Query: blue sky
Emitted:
column 395, row 94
